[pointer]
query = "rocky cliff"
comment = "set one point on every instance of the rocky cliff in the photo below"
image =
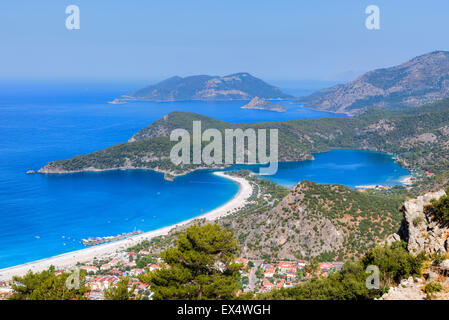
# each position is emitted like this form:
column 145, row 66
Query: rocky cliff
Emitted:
column 420, row 229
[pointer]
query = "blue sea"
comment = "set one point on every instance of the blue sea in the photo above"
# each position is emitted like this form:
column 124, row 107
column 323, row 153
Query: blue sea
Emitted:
column 46, row 215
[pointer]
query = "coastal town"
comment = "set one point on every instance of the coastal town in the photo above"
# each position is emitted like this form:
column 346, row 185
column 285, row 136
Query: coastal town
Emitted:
column 257, row 276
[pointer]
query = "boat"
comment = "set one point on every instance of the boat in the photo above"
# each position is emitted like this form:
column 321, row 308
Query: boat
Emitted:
column 101, row 240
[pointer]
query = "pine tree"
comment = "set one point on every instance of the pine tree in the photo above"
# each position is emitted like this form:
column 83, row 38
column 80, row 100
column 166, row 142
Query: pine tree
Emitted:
column 120, row 291
column 46, row 285
column 202, row 266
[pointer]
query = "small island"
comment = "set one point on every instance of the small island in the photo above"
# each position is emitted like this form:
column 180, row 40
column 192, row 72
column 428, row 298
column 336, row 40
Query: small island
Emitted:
column 237, row 86
column 262, row 104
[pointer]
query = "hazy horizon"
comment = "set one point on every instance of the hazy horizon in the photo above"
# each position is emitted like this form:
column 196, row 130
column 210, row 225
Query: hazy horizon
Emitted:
column 277, row 41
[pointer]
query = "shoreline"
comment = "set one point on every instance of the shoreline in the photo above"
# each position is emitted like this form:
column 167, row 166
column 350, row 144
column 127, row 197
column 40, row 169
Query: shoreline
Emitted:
column 408, row 180
column 168, row 175
column 403, row 181
column 70, row 259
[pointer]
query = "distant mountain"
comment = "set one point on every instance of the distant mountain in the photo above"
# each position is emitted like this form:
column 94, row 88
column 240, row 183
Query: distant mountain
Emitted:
column 238, row 86
column 262, row 104
column 424, row 79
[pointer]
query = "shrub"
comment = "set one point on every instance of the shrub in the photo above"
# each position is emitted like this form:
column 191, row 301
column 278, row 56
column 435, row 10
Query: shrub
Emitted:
column 438, row 258
column 394, row 261
column 440, row 207
column 433, row 287
column 417, row 221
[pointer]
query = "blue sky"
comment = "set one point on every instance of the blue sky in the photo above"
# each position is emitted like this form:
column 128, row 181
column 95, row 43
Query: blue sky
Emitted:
column 276, row 40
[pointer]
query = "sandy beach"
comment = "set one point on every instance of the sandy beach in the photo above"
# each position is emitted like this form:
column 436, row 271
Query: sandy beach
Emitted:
column 407, row 181
column 70, row 259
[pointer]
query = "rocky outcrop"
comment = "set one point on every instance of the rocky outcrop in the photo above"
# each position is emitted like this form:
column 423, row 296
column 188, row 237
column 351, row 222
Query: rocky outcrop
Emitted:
column 409, row 289
column 419, row 229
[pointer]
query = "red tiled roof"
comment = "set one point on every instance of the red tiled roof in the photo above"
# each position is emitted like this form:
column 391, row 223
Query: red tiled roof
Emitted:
column 269, row 269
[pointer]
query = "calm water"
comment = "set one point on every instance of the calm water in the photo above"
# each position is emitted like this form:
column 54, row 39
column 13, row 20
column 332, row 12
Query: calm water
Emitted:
column 43, row 215
column 349, row 167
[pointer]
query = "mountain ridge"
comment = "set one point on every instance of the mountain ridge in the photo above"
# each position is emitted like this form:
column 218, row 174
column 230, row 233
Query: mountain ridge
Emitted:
column 423, row 79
